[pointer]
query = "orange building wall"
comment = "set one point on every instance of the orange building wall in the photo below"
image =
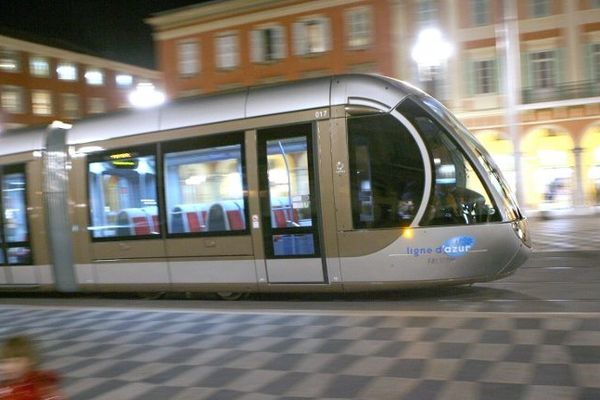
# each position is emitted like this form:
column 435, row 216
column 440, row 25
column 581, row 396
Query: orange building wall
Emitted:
column 337, row 60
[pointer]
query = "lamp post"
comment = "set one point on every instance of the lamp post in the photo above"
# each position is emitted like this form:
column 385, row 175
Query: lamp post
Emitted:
column 430, row 52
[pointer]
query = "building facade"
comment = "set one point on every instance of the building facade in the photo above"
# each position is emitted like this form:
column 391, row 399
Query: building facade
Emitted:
column 222, row 45
column 40, row 83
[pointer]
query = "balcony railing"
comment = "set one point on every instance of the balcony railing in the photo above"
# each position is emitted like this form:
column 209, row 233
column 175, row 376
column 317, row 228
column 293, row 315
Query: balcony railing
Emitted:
column 564, row 91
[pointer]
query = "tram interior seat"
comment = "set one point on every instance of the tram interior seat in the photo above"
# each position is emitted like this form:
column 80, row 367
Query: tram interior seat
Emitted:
column 282, row 214
column 188, row 218
column 222, row 216
column 138, row 221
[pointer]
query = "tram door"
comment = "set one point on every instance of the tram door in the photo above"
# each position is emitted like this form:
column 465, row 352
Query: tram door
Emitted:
column 289, row 205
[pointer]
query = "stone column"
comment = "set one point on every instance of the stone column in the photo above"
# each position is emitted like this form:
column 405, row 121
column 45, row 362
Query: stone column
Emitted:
column 577, row 189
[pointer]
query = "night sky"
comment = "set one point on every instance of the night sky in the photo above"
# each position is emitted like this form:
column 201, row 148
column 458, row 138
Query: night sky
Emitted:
column 111, row 29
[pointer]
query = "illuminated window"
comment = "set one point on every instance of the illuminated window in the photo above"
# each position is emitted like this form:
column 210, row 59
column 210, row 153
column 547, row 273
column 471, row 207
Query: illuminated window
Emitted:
column 12, row 99
column 188, row 58
column 227, row 51
column 122, row 194
column 124, row 80
column 358, row 22
column 204, row 186
column 39, row 66
column 94, row 77
column 41, row 102
column 9, row 61
column 481, row 12
column 70, row 105
column 67, row 71
column 96, row 105
column 312, row 36
column 268, row 44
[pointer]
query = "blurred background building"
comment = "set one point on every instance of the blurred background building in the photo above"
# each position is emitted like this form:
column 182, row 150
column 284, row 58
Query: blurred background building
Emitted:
column 42, row 82
column 227, row 44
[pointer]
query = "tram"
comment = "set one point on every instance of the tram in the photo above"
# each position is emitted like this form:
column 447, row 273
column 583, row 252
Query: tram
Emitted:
column 343, row 183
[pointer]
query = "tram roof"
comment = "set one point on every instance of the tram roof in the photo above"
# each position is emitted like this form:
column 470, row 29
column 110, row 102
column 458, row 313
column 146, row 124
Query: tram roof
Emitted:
column 361, row 89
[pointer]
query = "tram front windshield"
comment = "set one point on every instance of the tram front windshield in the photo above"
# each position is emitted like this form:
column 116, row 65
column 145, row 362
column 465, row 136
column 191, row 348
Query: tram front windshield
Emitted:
column 496, row 178
column 459, row 195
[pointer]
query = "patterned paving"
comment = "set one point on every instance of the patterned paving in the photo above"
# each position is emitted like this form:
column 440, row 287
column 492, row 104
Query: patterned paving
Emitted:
column 571, row 234
column 123, row 355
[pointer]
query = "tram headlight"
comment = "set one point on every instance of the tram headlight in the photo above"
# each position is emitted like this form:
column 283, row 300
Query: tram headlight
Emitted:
column 522, row 231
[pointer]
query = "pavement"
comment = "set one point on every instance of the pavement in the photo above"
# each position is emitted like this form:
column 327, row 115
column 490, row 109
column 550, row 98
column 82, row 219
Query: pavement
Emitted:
column 534, row 335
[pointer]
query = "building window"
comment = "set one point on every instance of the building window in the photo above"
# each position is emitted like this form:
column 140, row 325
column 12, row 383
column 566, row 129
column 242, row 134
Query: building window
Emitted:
column 543, row 69
column 70, row 105
column 188, row 58
column 539, row 8
column 268, row 44
column 124, row 80
column 312, row 36
column 96, row 105
column 94, row 77
column 11, row 99
column 595, row 3
column 481, row 12
column 9, row 61
column 67, row 71
column 227, row 51
column 41, row 102
column 426, row 13
column 39, row 66
column 485, row 76
column 358, row 22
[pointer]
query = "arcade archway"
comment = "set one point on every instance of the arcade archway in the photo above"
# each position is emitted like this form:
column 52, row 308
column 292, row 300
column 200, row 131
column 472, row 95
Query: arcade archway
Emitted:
column 548, row 168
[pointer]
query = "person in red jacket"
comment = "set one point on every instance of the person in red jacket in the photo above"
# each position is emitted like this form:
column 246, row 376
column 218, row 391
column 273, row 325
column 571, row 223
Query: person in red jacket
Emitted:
column 21, row 377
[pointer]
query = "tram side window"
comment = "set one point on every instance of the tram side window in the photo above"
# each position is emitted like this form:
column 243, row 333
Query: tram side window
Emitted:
column 15, row 248
column 387, row 172
column 204, row 189
column 122, row 192
column 459, row 196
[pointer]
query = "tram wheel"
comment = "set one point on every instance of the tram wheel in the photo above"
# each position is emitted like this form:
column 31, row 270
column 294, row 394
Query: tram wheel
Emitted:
column 232, row 296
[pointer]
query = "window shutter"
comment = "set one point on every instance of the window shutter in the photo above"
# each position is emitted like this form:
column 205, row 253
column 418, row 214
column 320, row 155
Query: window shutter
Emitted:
column 279, row 42
column 326, row 33
column 257, row 46
column 469, row 78
column 588, row 63
column 300, row 45
column 526, row 70
column 560, row 66
column 499, row 78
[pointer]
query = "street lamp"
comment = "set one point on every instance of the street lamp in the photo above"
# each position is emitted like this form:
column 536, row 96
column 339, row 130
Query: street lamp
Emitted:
column 430, row 52
column 145, row 95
